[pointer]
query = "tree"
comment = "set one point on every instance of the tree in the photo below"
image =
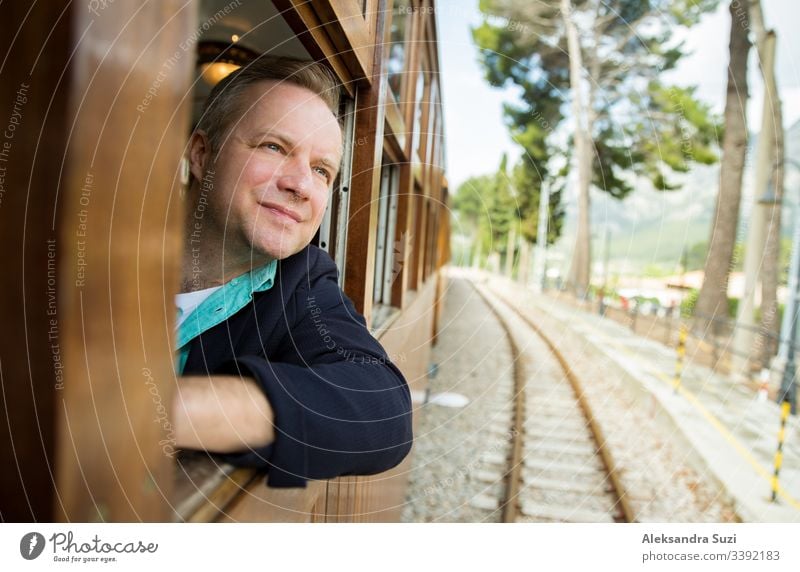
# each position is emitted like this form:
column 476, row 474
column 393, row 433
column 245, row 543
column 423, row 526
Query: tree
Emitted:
column 605, row 57
column 525, row 177
column 487, row 206
column 471, row 203
column 712, row 301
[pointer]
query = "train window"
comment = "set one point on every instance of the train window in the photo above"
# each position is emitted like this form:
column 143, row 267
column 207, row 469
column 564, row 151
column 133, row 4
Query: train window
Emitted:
column 431, row 130
column 419, row 110
column 430, row 240
column 398, row 47
column 387, row 248
column 332, row 235
column 233, row 34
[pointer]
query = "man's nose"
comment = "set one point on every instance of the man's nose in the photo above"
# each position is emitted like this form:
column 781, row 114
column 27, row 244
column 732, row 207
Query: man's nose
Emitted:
column 295, row 177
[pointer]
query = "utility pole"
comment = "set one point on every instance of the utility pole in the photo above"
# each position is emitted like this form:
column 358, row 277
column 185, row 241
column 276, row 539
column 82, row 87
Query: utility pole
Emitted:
column 524, row 261
column 540, row 255
column 606, row 255
column 789, row 326
column 788, row 390
column 745, row 333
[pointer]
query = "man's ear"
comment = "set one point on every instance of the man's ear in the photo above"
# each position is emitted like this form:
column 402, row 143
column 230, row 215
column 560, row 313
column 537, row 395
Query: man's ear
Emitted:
column 199, row 154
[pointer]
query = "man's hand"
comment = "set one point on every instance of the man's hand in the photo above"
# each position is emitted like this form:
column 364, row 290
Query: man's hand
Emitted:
column 221, row 414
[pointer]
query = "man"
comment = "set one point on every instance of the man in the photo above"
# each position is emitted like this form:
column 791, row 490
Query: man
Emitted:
column 280, row 370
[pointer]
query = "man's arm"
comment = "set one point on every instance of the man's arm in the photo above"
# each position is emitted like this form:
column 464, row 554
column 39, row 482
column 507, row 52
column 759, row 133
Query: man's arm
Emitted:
column 338, row 405
column 221, row 414
column 341, row 407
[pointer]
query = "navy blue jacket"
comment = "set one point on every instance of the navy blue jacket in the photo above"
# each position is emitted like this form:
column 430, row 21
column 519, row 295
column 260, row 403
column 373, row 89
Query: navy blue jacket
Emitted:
column 340, row 406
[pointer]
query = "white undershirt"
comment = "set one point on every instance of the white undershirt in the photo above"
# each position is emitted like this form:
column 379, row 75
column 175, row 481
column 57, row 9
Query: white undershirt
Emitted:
column 187, row 302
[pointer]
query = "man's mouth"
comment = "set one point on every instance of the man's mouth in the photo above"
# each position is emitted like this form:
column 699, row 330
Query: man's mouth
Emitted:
column 282, row 212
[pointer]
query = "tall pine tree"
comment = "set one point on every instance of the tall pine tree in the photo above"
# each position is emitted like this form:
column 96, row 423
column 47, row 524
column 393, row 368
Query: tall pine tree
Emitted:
column 605, row 57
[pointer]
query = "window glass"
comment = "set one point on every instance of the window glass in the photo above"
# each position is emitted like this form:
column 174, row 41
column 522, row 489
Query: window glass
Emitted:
column 401, row 19
column 332, row 234
column 433, row 121
column 418, row 108
column 385, row 246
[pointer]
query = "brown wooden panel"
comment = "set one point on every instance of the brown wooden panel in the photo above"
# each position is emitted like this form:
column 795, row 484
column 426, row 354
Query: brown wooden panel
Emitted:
column 36, row 44
column 343, row 500
column 260, row 503
column 381, row 496
column 410, row 85
column 430, row 44
column 405, row 341
column 443, row 256
column 121, row 235
column 306, row 24
column 404, row 236
column 420, row 240
column 365, row 185
column 425, row 135
column 396, row 130
column 352, row 34
column 204, row 487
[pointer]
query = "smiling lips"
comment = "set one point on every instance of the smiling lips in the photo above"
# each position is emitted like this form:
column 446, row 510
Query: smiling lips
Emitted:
column 282, row 212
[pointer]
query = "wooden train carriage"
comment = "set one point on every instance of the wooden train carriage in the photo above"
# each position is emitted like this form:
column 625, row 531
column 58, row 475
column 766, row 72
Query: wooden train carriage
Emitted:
column 98, row 99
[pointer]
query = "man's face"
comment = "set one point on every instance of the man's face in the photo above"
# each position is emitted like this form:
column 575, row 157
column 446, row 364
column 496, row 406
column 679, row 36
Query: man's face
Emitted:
column 274, row 170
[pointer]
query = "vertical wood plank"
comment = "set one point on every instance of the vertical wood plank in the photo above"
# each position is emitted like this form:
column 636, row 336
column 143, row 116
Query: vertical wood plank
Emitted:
column 420, row 240
column 365, row 182
column 304, row 21
column 122, row 237
column 36, row 44
column 404, row 231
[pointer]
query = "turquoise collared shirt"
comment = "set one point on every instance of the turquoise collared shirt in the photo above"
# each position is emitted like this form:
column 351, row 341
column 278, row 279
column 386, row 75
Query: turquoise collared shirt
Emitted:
column 221, row 305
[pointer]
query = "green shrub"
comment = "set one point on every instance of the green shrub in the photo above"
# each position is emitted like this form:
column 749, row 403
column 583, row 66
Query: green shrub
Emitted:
column 733, row 307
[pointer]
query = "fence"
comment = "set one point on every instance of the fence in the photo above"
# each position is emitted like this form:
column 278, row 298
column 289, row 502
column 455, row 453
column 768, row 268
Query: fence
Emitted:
column 710, row 340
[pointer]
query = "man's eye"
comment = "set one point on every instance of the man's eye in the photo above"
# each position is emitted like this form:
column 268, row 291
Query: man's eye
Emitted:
column 324, row 173
column 272, row 147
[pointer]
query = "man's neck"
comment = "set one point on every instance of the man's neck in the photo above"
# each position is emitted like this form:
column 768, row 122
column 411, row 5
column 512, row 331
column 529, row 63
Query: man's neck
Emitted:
column 205, row 264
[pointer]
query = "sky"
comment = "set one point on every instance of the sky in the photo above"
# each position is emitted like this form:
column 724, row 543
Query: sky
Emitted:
column 477, row 136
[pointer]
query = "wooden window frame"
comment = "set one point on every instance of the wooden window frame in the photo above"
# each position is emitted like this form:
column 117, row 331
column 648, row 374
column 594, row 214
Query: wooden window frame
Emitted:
column 408, row 104
column 404, row 236
column 398, row 99
column 365, row 183
column 333, row 230
column 338, row 32
column 416, row 278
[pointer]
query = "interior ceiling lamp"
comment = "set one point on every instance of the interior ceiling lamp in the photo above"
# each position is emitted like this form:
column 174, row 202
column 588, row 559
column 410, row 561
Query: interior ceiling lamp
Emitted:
column 217, row 59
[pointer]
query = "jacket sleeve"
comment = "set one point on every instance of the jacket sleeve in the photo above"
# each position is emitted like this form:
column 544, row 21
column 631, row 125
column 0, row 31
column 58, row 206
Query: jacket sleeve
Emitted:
column 340, row 406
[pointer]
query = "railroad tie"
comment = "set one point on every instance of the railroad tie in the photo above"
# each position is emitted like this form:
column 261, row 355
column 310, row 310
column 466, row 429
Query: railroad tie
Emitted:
column 564, row 514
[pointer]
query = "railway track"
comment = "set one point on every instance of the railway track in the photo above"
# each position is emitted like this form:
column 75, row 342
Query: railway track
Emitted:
column 558, row 467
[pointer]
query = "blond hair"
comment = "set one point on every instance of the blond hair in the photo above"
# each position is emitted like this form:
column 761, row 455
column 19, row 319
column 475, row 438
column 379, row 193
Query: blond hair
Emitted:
column 223, row 103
